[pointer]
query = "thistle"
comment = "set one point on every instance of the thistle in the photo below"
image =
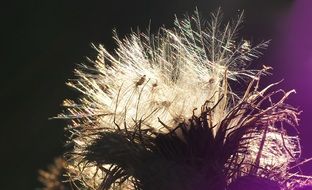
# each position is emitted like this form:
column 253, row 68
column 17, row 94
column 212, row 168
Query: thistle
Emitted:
column 160, row 113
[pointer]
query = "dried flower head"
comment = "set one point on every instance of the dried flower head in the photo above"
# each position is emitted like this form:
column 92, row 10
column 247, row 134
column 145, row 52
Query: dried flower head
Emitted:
column 53, row 178
column 159, row 113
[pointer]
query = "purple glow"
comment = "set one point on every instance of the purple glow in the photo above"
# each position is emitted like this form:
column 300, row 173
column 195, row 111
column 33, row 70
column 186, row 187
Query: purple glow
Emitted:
column 294, row 60
column 304, row 188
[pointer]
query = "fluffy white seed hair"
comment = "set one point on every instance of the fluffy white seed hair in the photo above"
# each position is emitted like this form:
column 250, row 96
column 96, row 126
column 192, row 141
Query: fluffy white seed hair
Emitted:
column 164, row 77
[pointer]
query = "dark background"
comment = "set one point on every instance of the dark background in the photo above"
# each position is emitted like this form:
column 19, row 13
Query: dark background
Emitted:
column 42, row 41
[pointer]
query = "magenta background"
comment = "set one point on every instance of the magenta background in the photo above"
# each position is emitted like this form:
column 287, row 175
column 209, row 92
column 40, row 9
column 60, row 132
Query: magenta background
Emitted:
column 293, row 60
